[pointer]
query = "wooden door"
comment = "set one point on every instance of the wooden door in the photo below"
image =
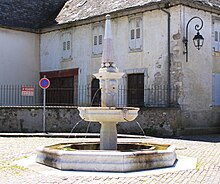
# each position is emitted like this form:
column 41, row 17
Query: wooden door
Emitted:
column 135, row 90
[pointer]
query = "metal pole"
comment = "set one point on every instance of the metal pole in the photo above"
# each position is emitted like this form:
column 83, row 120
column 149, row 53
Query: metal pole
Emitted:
column 44, row 110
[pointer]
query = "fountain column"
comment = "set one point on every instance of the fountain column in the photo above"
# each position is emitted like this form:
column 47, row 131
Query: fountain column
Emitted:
column 108, row 76
column 108, row 73
column 108, row 136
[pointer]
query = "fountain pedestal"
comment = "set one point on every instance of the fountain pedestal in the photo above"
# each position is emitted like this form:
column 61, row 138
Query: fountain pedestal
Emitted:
column 108, row 136
column 108, row 117
column 108, row 77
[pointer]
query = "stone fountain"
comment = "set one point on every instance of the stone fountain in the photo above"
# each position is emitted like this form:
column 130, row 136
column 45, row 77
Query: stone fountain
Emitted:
column 108, row 154
column 108, row 114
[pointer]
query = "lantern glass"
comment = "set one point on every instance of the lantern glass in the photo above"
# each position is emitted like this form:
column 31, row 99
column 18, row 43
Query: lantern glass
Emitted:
column 198, row 40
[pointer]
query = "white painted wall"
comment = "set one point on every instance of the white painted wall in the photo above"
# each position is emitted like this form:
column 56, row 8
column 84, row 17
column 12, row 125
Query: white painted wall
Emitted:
column 51, row 51
column 194, row 77
column 19, row 57
column 154, row 48
column 197, row 72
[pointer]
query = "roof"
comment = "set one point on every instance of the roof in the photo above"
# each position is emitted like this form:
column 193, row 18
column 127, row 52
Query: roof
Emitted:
column 37, row 14
column 29, row 14
column 75, row 10
column 81, row 9
column 213, row 2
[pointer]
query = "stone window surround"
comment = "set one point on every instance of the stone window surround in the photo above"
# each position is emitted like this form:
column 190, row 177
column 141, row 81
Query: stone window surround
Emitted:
column 95, row 50
column 66, row 45
column 135, row 49
column 215, row 35
column 136, row 71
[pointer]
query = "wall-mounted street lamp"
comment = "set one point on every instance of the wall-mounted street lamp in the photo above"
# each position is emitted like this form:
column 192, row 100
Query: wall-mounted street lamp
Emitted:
column 198, row 38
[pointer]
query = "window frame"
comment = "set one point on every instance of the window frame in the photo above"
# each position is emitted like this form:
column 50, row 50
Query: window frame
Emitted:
column 66, row 40
column 216, row 35
column 135, row 35
column 216, row 89
column 97, row 39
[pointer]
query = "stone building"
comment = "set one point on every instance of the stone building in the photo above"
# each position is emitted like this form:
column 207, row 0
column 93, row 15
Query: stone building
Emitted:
column 65, row 41
column 149, row 49
column 20, row 22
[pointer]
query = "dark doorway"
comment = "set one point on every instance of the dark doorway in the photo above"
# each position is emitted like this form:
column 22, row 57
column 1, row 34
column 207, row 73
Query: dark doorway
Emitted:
column 95, row 93
column 136, row 90
column 63, row 88
column 61, row 91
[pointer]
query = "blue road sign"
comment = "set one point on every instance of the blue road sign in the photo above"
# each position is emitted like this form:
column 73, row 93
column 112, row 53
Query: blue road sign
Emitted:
column 44, row 83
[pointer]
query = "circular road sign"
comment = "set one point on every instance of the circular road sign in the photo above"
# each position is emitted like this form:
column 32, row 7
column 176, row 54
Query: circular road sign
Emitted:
column 44, row 83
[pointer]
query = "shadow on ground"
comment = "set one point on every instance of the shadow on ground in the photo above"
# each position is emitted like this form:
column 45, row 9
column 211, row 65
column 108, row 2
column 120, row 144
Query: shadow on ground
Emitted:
column 215, row 138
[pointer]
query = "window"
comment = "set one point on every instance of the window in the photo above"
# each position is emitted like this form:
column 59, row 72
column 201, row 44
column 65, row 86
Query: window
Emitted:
column 66, row 48
column 64, row 45
column 216, row 89
column 135, row 34
column 100, row 39
column 95, row 40
column 98, row 32
column 68, row 45
column 216, row 36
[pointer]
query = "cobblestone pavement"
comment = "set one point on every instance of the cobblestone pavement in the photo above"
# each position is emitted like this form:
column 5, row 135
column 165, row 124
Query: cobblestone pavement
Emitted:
column 205, row 148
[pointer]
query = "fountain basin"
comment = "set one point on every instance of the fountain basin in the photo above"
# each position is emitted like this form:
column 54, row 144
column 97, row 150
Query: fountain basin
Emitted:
column 108, row 117
column 86, row 157
column 108, row 114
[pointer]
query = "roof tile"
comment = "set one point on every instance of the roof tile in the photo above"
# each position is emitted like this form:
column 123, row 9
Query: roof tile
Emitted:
column 31, row 14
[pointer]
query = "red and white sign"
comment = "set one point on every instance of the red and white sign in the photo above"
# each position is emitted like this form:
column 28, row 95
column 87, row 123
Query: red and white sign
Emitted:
column 27, row 91
column 44, row 83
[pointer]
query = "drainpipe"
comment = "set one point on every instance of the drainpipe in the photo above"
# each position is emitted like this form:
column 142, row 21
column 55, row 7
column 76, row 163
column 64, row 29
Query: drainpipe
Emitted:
column 169, row 58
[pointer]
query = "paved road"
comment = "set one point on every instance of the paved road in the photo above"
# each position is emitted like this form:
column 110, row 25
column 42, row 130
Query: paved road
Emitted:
column 205, row 148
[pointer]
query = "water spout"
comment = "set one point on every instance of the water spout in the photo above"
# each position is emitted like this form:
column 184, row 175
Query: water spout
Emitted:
column 74, row 127
column 140, row 128
column 93, row 98
column 87, row 129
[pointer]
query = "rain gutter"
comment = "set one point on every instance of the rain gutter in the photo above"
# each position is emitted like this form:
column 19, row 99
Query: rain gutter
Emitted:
column 169, row 57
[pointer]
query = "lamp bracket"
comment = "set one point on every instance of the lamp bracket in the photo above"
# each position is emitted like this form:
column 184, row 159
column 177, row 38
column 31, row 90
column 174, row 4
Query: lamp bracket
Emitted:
column 198, row 27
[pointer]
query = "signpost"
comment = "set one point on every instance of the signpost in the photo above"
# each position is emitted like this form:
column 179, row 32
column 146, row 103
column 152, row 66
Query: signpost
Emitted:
column 44, row 83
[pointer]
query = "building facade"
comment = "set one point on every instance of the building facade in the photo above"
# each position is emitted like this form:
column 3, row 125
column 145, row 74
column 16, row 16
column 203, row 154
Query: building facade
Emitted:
column 148, row 42
column 149, row 49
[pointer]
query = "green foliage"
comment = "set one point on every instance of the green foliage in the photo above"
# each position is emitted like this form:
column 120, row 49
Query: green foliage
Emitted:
column 198, row 165
column 6, row 166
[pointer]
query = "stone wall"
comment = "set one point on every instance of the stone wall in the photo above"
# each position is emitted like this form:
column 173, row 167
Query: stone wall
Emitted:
column 153, row 121
column 162, row 122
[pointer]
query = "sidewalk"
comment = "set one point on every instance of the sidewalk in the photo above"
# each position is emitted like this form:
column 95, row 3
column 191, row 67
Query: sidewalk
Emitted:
column 65, row 135
column 205, row 148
